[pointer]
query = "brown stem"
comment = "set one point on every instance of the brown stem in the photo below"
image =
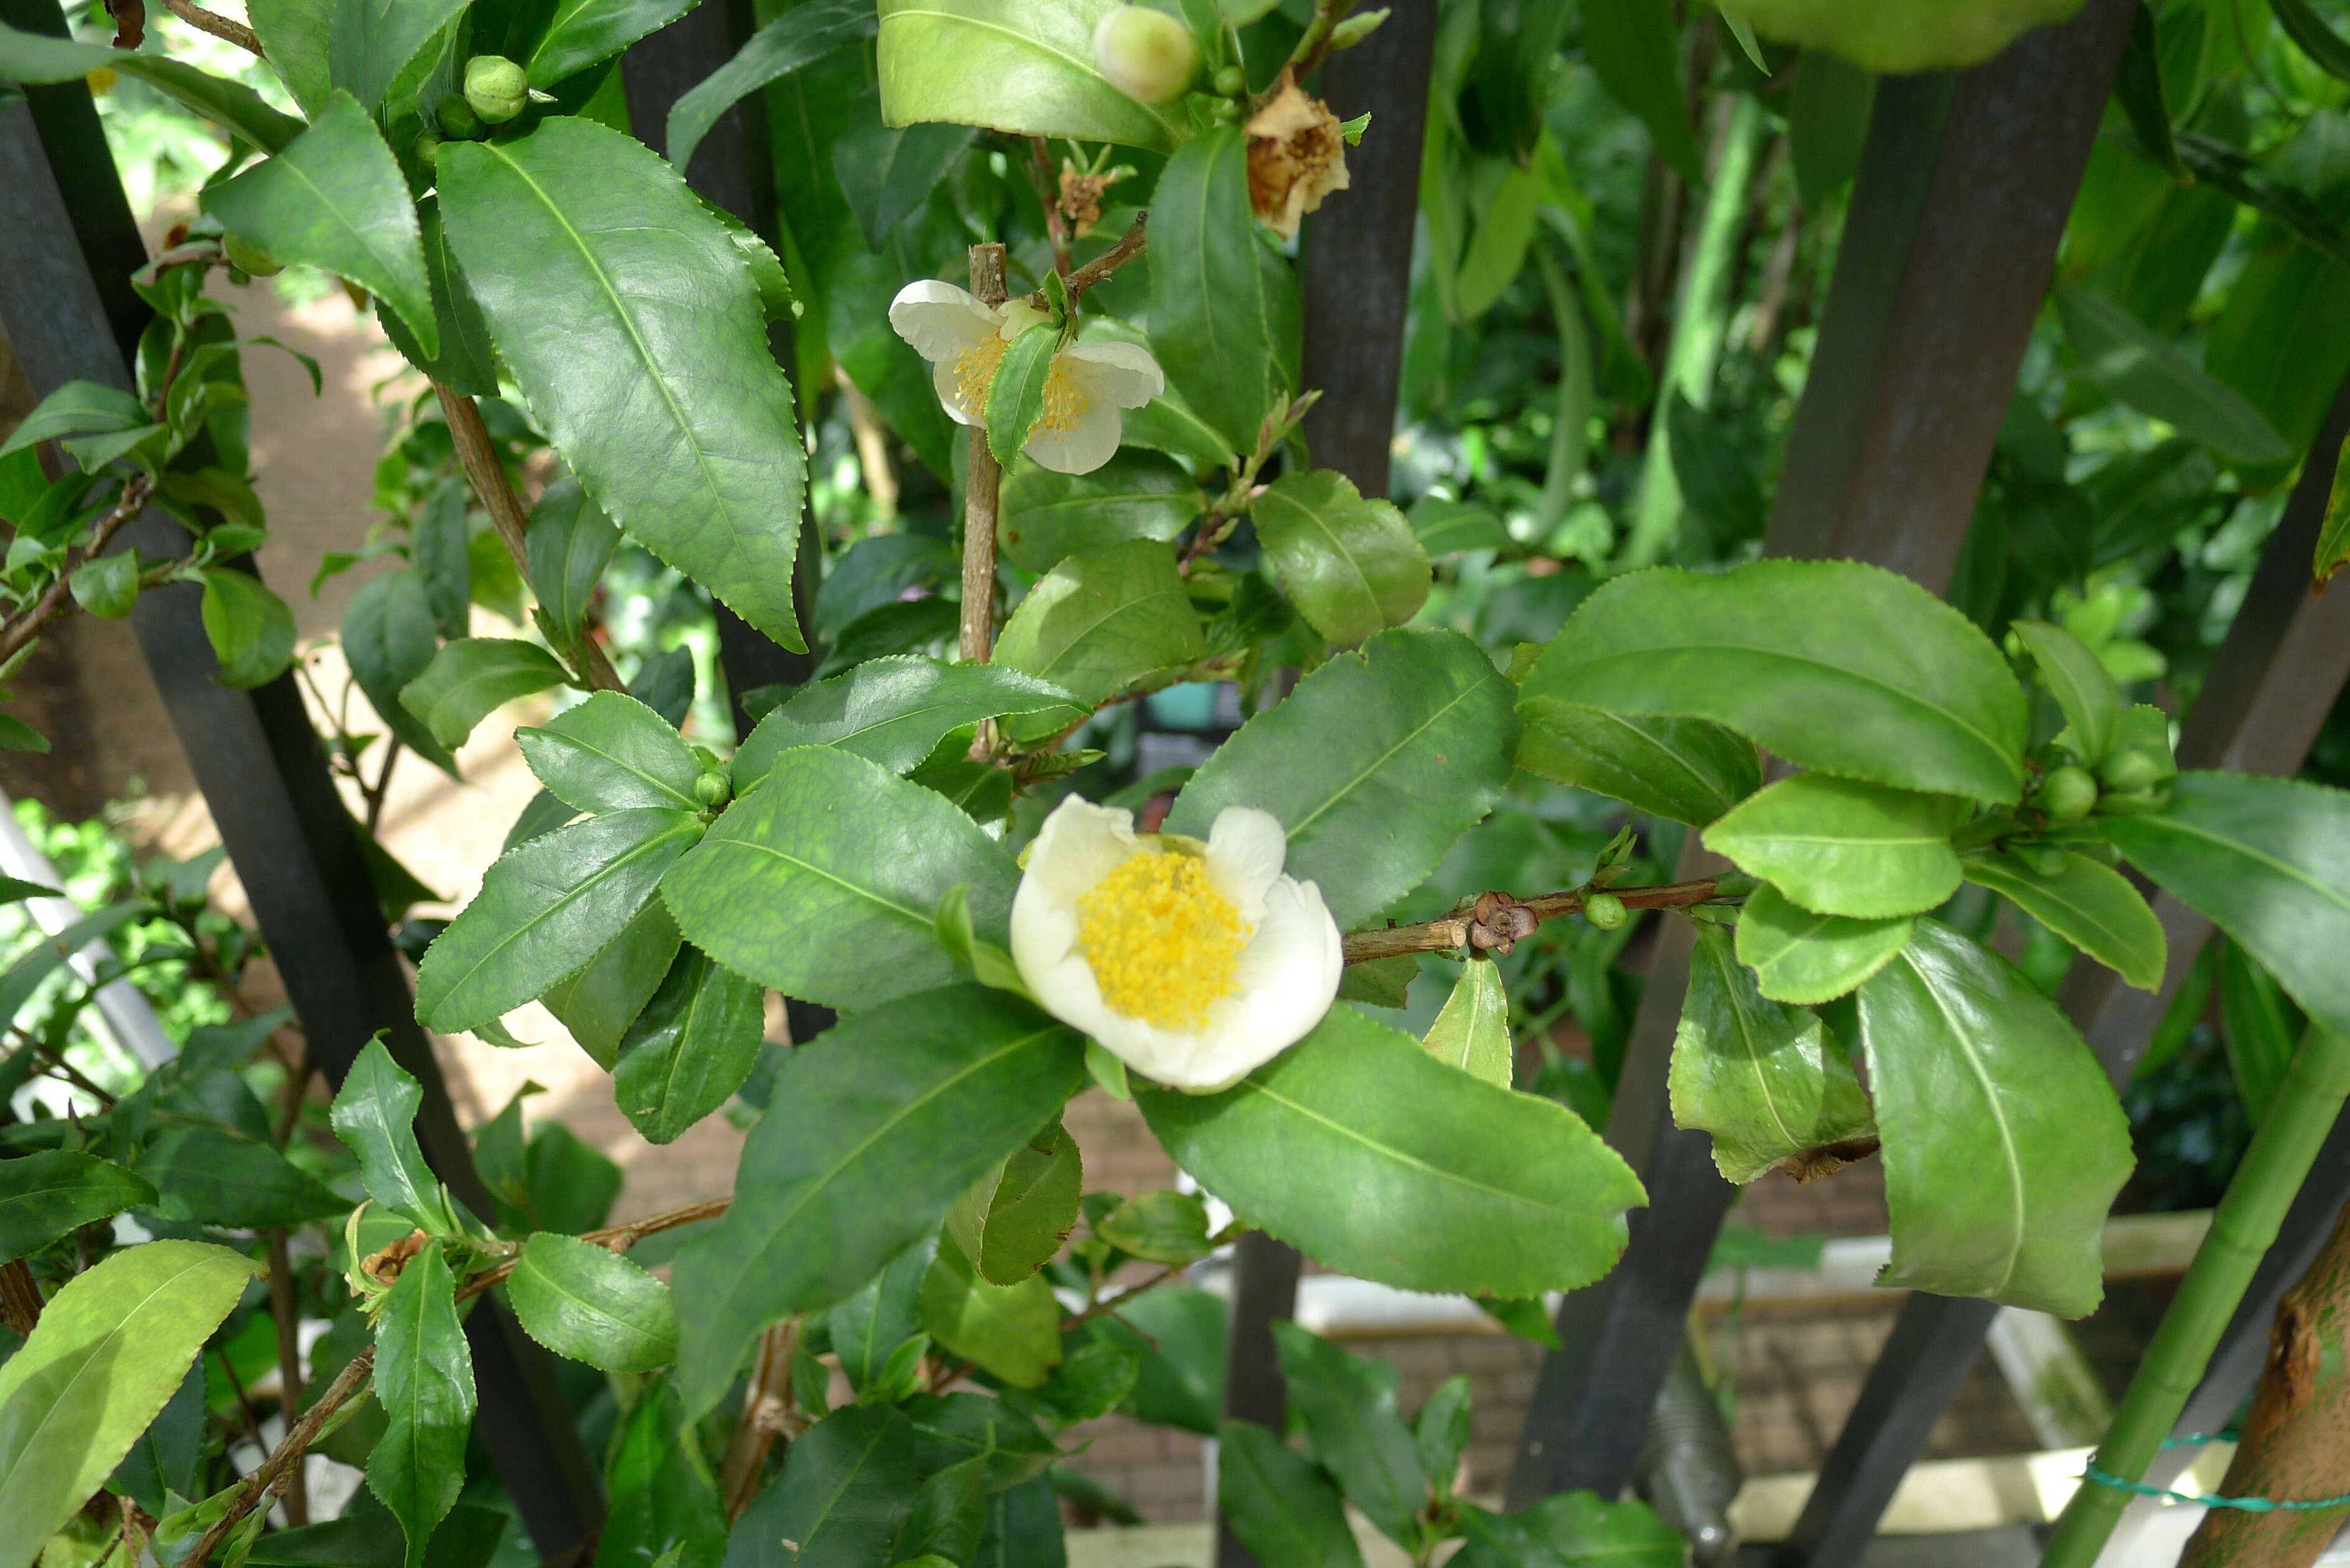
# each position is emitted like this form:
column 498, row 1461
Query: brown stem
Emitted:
column 616, row 1238
column 479, row 458
column 1130, row 244
column 290, row 1363
column 377, row 793
column 20, row 1298
column 1056, row 226
column 1460, row 928
column 297, row 1090
column 288, row 1454
column 219, row 26
column 1314, row 46
column 980, row 488
column 58, row 601
column 766, row 1408
column 244, row 1402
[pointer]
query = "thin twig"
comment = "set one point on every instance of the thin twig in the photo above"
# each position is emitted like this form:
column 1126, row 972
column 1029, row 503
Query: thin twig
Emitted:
column 290, row 1362
column 380, row 791
column 766, row 1409
column 288, row 1453
column 1057, row 227
column 1130, row 244
column 1456, row 930
column 616, row 1238
column 58, row 601
column 980, row 488
column 1313, row 44
column 219, row 26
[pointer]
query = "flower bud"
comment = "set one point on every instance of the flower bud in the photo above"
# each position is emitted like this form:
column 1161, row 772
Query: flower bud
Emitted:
column 249, row 259
column 1230, row 81
column 458, row 121
column 1146, row 54
column 1355, row 29
column 1605, row 911
column 496, row 87
column 711, row 788
column 2131, row 770
column 2067, row 793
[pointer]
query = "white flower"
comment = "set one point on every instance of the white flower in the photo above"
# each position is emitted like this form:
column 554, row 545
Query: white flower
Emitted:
column 1090, row 382
column 1191, row 964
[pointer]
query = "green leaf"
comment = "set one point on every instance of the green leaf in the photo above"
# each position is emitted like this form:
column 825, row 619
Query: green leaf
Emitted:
column 2138, row 88
column 2333, row 536
column 612, row 753
column 877, row 572
column 588, row 1302
column 1803, row 958
column 2283, row 339
column 847, row 1484
column 1829, row 124
column 823, row 882
column 1015, row 396
column 1919, row 698
column 600, row 1003
column 1440, row 1432
column 2268, row 860
column 1374, row 764
column 2229, row 169
column 468, row 1538
column 2126, row 359
column 1689, row 770
column 1163, row 1227
column 1279, row 1504
column 583, row 32
column 2260, row 1029
column 799, row 37
column 545, row 910
column 1102, row 619
column 294, row 40
column 2087, row 902
column 212, row 1175
column 107, row 586
column 1024, row 1528
column 653, row 380
column 2004, row 1143
column 570, row 542
column 371, row 43
column 250, row 629
column 1767, row 1080
column 1373, row 1157
column 2079, row 681
column 886, row 172
column 375, row 1116
column 691, row 1047
column 1840, row 847
column 895, row 711
column 1012, row 1331
column 110, row 1348
column 1013, row 1220
column 1448, row 527
column 1471, row 1031
column 440, row 547
column 1379, row 983
column 424, row 1379
column 1224, row 313
column 1043, row 517
column 388, row 639
column 33, row 57
column 1715, row 480
column 875, row 1128
column 1571, row 1530
column 78, row 408
column 45, row 1195
column 1347, row 1408
column 1632, row 48
column 2321, row 43
column 471, row 678
column 960, row 1427
column 1022, row 67
column 335, row 199
column 867, row 1328
column 46, row 958
column 1353, row 567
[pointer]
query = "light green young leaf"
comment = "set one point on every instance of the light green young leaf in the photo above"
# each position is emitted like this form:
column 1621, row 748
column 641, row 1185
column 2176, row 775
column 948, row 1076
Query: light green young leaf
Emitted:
column 1103, row 619
column 335, row 199
column 1224, row 313
column 2087, row 902
column 1012, row 1332
column 2003, row 1142
column 1280, row 1504
column 34, row 58
column 78, row 408
column 545, row 910
column 1376, row 765
column 2136, row 365
column 424, row 1379
column 1841, row 847
column 293, row 35
column 1767, row 1080
column 45, row 1194
column 823, row 882
column 473, row 677
column 590, row 1303
column 654, row 380
column 894, row 712
column 375, row 1116
column 1163, row 1227
column 1829, row 664
column 601, row 1003
column 1364, row 1152
column 1471, row 1031
column 691, row 1047
column 1025, row 69
column 612, row 753
column 2333, row 536
column 2080, row 682
column 1045, row 517
column 109, row 1350
column 1806, row 958
column 1689, row 770
column 1353, row 567
column 875, row 1128
column 1015, row 396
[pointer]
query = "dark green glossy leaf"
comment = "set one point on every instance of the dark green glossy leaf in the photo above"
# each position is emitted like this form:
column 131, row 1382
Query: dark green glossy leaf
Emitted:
column 2138, row 88
column 424, row 1378
column 665, row 1507
column 2004, row 1143
column 45, row 1195
column 823, row 882
column 1353, row 567
column 375, row 1115
column 846, row 1487
column 251, row 629
column 612, row 752
column 468, row 360
column 1224, row 313
column 2284, row 338
column 1632, row 47
column 371, row 43
column 1027, row 70
column 588, row 1302
column 570, row 542
column 875, row 1128
column 1370, row 1156
column 2079, row 681
column 1043, row 517
column 388, row 639
column 894, row 712
column 1827, row 124
column 1102, row 619
column 800, row 36
column 33, row 57
column 602, row 1003
column 1024, row 1529
column 473, row 677
column 867, row 1328
column 1279, row 1504
column 441, row 546
column 1689, row 770
column 1376, row 765
column 211, row 1175
column 1347, row 1408
column 1841, row 847
column 583, row 32
column 887, row 171
column 467, row 1538
column 877, row 572
column 691, row 1047
column 1803, row 958
column 2087, row 902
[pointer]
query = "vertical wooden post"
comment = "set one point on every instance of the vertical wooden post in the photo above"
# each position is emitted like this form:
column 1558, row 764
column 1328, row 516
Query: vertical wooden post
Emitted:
column 982, row 481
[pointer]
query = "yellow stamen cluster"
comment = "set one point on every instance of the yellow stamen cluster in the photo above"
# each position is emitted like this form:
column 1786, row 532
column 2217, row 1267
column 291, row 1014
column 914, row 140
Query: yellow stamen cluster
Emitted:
column 1163, row 944
column 974, row 368
column 1065, row 402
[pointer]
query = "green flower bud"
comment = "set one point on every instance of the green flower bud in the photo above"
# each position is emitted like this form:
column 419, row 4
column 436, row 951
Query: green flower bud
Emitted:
column 1229, row 112
column 428, row 149
column 458, row 121
column 496, row 87
column 2067, row 793
column 2132, row 770
column 1230, row 81
column 1605, row 911
column 711, row 788
column 1355, row 29
column 2134, row 801
column 1146, row 54
column 249, row 259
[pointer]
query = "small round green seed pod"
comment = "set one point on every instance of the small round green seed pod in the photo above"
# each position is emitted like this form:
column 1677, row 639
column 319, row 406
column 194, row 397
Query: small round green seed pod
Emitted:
column 457, row 118
column 496, row 87
column 1605, row 911
column 2068, row 794
column 1146, row 54
column 1230, row 81
column 249, row 259
column 2131, row 771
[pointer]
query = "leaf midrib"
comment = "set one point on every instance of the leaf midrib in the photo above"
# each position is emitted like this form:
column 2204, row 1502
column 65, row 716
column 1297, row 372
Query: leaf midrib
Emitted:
column 1084, row 67
column 1753, row 1050
column 1355, row 783
column 2014, row 1160
column 1338, row 549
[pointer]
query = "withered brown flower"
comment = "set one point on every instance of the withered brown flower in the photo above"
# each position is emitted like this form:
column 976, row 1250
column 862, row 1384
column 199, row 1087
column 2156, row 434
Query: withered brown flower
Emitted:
column 1081, row 199
column 1297, row 156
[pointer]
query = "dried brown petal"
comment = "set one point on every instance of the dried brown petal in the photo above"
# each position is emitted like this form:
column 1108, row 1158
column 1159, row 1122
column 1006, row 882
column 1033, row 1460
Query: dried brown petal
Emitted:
column 1297, row 156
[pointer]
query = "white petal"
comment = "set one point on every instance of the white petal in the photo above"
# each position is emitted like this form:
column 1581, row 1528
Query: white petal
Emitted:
column 1084, row 446
column 939, row 320
column 1080, row 844
column 1120, row 373
column 949, row 387
column 1289, row 973
column 1247, row 848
